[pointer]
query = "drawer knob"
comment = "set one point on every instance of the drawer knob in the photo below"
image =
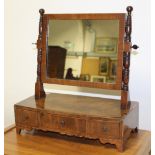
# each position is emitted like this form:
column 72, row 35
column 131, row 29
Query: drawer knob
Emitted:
column 62, row 122
column 26, row 118
column 41, row 114
column 105, row 129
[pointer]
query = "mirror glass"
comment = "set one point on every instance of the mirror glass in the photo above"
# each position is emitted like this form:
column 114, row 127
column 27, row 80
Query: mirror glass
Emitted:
column 82, row 50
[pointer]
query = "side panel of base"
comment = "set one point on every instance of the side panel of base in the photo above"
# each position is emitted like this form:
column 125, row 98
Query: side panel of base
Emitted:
column 131, row 120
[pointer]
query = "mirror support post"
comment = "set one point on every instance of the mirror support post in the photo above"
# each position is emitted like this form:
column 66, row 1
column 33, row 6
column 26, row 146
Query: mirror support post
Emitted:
column 125, row 102
column 39, row 90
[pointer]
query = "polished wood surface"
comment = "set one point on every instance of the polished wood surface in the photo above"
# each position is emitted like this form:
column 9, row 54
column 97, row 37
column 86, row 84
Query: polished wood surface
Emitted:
column 94, row 118
column 79, row 105
column 45, row 143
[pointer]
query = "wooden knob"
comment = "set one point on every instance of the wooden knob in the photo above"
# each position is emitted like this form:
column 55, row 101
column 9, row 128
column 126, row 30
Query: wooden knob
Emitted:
column 41, row 11
column 135, row 47
column 105, row 129
column 41, row 114
column 129, row 9
column 62, row 122
column 26, row 118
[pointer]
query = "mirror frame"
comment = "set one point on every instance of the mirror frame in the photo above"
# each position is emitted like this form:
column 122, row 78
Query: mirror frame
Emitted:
column 117, row 85
column 124, row 49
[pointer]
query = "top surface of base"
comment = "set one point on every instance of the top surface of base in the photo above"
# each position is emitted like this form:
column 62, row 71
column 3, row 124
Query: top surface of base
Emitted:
column 79, row 105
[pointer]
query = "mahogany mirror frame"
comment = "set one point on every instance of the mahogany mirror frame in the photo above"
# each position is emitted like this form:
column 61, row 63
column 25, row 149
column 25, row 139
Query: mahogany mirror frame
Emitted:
column 123, row 63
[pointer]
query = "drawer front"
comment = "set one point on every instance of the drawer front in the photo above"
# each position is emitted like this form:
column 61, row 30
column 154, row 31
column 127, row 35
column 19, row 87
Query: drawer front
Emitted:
column 63, row 124
column 26, row 117
column 102, row 129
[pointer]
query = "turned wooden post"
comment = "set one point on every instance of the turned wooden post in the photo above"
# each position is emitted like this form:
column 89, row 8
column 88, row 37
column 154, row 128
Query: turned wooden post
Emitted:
column 126, row 60
column 39, row 90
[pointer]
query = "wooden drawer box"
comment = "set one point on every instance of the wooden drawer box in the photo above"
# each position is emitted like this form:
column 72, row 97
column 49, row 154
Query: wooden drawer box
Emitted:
column 66, row 124
column 89, row 121
column 62, row 124
column 26, row 117
column 102, row 129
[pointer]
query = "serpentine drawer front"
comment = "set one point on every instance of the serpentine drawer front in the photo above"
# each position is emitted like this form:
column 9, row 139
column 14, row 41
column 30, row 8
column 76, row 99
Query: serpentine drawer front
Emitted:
column 78, row 126
column 63, row 124
column 102, row 129
column 68, row 124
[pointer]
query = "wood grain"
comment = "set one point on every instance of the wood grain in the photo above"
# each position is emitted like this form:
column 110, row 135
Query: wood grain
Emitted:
column 45, row 143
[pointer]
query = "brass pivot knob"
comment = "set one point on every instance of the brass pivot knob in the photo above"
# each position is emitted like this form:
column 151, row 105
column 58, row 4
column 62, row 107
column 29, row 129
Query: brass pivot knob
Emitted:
column 62, row 122
column 105, row 129
column 135, row 47
column 26, row 118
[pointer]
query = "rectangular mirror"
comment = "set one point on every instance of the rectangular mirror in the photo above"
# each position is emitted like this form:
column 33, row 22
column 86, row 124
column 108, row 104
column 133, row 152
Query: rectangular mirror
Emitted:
column 83, row 49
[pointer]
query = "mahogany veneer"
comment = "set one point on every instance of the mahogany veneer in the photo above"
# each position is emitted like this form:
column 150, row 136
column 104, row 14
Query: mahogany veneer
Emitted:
column 81, row 116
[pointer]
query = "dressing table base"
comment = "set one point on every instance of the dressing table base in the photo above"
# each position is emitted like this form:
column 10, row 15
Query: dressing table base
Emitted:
column 96, row 118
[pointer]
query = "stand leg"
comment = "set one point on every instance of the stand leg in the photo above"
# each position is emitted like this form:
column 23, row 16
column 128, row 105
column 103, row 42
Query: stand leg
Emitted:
column 18, row 130
column 120, row 147
column 135, row 130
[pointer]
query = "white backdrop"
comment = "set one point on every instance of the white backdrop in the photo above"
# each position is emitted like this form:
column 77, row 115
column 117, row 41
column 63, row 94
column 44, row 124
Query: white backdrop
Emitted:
column 21, row 30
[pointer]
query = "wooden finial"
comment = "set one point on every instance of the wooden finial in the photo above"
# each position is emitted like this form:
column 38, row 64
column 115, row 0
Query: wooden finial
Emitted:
column 128, row 26
column 41, row 11
column 129, row 9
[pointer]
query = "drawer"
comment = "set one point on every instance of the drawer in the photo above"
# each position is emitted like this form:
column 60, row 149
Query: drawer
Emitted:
column 26, row 117
column 102, row 129
column 63, row 124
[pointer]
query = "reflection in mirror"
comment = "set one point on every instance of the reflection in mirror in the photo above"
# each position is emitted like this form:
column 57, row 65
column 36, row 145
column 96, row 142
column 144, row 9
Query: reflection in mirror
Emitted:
column 83, row 50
